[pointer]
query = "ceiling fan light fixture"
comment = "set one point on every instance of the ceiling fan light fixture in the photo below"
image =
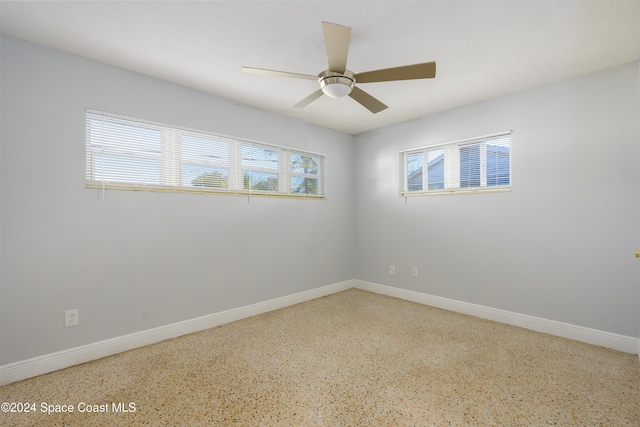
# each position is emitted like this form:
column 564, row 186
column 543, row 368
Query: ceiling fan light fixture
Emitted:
column 337, row 86
column 338, row 82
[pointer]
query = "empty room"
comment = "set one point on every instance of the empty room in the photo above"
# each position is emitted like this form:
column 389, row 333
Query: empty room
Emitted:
column 315, row 213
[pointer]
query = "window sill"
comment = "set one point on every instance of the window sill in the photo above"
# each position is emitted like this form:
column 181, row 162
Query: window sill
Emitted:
column 212, row 191
column 503, row 189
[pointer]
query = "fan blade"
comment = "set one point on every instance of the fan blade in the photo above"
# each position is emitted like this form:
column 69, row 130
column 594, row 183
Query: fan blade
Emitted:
column 367, row 101
column 309, row 99
column 262, row 71
column 336, row 40
column 425, row 70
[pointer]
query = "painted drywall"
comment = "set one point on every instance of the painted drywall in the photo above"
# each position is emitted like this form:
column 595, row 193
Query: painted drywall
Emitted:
column 140, row 260
column 559, row 246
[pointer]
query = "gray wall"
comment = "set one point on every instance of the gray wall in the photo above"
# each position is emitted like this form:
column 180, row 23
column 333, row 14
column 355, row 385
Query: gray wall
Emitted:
column 559, row 246
column 139, row 260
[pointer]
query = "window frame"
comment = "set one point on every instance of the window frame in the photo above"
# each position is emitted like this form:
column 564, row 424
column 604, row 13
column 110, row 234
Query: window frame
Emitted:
column 173, row 161
column 451, row 167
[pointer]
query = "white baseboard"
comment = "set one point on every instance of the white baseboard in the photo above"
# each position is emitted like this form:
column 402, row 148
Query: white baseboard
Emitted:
column 39, row 365
column 578, row 333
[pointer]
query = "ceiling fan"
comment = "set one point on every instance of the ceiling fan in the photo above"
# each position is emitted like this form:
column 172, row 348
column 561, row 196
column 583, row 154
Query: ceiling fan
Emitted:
column 338, row 82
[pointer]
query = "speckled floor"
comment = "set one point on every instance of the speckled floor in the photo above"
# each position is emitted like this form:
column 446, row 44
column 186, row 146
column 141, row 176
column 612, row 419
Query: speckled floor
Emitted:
column 349, row 359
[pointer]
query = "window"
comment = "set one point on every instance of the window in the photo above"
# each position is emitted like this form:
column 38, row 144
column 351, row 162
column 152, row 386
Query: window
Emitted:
column 260, row 167
column 304, row 173
column 126, row 153
column 472, row 165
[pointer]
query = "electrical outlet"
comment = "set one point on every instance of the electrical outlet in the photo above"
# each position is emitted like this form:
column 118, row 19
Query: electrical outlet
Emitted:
column 71, row 318
column 392, row 270
column 415, row 271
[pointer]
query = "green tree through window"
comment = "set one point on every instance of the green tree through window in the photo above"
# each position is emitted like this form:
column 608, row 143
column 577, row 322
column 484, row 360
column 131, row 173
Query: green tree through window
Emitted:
column 211, row 180
column 304, row 170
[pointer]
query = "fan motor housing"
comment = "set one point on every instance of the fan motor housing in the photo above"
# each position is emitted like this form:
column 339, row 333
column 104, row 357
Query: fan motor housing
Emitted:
column 337, row 85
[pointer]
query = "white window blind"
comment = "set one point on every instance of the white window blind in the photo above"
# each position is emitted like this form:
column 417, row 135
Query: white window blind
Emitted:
column 127, row 153
column 472, row 165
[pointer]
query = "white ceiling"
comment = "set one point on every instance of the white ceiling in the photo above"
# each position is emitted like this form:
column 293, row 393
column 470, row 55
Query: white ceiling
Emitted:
column 483, row 49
